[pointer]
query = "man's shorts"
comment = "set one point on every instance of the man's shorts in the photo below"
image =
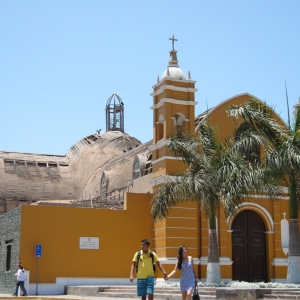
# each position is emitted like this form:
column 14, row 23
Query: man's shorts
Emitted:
column 145, row 286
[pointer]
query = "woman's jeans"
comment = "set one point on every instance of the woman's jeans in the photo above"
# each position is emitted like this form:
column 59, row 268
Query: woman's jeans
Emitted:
column 20, row 284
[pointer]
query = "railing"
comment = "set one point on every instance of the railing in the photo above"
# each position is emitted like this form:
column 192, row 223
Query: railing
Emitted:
column 113, row 198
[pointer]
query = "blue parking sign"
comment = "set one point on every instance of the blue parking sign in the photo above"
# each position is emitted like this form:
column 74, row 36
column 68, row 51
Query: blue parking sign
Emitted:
column 38, row 250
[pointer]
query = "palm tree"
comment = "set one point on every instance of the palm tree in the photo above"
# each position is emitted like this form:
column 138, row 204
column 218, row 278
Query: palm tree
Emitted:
column 281, row 162
column 216, row 173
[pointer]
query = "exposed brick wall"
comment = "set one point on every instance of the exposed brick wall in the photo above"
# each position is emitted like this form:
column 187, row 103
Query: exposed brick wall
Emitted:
column 10, row 226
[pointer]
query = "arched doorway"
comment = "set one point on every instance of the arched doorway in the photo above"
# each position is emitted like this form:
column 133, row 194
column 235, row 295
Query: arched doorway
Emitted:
column 249, row 248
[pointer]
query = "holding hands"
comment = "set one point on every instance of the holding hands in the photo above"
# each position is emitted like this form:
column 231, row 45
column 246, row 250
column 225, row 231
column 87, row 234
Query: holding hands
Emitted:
column 166, row 276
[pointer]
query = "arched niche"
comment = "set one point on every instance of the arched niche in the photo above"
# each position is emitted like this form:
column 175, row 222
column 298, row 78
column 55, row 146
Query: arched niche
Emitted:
column 104, row 185
column 160, row 127
column 138, row 167
column 179, row 123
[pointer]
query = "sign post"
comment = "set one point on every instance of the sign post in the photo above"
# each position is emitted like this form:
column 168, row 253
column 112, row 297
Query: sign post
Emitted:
column 38, row 254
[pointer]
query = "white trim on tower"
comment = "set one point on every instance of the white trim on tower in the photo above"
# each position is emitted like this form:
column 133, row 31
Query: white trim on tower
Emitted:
column 173, row 80
column 173, row 88
column 166, row 157
column 159, row 145
column 174, row 101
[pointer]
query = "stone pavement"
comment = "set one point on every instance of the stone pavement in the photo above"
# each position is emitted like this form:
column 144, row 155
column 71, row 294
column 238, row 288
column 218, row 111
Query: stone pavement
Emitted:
column 58, row 297
column 220, row 293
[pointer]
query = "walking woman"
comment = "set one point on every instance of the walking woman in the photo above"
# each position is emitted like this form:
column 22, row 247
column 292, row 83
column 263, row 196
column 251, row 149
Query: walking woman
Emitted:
column 188, row 278
column 21, row 277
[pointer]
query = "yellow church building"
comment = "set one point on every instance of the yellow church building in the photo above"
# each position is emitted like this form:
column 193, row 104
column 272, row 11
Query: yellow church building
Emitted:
column 89, row 209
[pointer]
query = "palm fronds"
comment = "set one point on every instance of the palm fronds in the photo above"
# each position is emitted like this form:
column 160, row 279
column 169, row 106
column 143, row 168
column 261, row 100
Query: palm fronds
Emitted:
column 216, row 173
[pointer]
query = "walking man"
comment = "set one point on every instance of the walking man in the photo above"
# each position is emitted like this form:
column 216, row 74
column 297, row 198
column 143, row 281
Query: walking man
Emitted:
column 144, row 261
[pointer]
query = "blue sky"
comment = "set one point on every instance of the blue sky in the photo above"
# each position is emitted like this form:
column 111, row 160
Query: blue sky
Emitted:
column 61, row 60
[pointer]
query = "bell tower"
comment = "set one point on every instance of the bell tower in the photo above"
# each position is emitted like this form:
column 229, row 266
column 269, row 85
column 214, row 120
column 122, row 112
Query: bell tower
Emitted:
column 173, row 111
column 114, row 113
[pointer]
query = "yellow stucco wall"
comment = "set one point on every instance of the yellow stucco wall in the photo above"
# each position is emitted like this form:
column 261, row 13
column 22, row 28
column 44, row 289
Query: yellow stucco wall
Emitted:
column 181, row 227
column 58, row 229
column 225, row 125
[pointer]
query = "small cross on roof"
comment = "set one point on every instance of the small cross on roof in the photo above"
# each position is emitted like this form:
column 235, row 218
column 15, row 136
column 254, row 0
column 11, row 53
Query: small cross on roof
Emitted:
column 173, row 39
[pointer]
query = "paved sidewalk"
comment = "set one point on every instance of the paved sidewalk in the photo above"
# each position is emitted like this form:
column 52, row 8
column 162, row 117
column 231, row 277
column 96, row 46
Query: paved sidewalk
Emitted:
column 57, row 297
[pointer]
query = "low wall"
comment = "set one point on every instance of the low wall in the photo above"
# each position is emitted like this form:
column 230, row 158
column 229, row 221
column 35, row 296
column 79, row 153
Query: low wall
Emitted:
column 10, row 225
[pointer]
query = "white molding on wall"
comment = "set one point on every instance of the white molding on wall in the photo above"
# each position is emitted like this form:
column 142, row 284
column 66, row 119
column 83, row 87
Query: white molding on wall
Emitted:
column 224, row 261
column 159, row 145
column 175, row 80
column 165, row 227
column 160, row 179
column 173, row 260
column 173, row 88
column 279, row 280
column 268, row 197
column 255, row 207
column 183, row 218
column 174, row 101
column 181, row 207
column 175, row 237
column 165, row 157
column 176, row 247
column 280, row 262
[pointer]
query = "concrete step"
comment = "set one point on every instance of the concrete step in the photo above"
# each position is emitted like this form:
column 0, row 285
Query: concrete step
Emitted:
column 158, row 291
column 171, row 293
column 281, row 296
column 160, row 296
column 287, row 292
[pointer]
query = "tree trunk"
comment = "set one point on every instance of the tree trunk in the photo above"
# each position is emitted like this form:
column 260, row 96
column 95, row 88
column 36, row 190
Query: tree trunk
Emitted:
column 293, row 273
column 213, row 273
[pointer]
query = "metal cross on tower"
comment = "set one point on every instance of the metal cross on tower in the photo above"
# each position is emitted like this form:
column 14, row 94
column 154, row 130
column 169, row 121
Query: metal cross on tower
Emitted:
column 172, row 39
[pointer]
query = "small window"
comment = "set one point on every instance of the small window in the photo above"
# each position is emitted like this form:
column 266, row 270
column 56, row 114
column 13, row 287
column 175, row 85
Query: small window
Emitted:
column 10, row 166
column 8, row 254
column 136, row 168
column 103, row 187
column 148, row 166
column 179, row 123
column 63, row 164
column 160, row 131
column 42, row 165
column 160, row 128
column 52, row 165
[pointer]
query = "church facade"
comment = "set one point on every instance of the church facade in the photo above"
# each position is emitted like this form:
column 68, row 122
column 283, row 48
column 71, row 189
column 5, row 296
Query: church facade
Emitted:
column 90, row 208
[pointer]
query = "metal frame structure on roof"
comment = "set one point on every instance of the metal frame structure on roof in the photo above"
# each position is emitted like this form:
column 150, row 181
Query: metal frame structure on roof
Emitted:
column 114, row 113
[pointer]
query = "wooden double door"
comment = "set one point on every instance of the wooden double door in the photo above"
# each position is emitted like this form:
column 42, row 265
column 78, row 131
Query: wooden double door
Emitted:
column 249, row 248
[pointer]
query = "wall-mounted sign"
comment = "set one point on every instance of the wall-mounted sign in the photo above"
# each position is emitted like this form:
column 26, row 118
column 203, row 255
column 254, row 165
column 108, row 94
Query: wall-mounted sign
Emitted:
column 89, row 243
column 38, row 250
